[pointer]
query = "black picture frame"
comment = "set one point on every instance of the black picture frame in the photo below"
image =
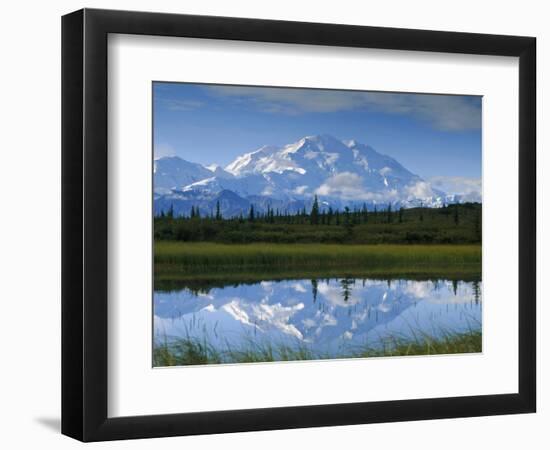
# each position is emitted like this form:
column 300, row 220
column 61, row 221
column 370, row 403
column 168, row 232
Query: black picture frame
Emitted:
column 84, row 224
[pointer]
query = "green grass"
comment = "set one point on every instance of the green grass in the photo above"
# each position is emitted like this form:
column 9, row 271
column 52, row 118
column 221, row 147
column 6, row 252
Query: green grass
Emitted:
column 447, row 344
column 202, row 265
column 192, row 351
column 250, row 262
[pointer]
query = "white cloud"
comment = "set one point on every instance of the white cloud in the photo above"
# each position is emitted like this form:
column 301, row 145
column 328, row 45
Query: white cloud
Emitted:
column 163, row 150
column 299, row 287
column 268, row 190
column 345, row 184
column 443, row 112
column 419, row 289
column 333, row 294
column 420, row 189
column 300, row 190
column 469, row 188
column 349, row 186
column 181, row 105
column 290, row 101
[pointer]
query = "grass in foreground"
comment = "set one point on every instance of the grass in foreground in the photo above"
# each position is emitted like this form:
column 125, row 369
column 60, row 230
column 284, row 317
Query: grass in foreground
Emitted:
column 190, row 351
column 178, row 260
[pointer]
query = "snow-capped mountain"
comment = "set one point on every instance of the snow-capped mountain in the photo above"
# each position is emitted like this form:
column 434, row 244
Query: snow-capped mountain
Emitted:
column 340, row 173
column 171, row 172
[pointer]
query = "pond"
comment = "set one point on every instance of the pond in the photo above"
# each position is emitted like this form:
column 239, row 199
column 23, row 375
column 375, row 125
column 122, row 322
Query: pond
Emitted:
column 309, row 318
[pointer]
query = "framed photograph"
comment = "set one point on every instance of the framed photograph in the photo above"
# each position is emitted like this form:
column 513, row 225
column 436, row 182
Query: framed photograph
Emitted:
column 273, row 224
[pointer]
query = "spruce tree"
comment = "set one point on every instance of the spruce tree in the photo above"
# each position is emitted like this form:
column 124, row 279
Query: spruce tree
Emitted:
column 314, row 288
column 314, row 216
column 346, row 216
column 477, row 225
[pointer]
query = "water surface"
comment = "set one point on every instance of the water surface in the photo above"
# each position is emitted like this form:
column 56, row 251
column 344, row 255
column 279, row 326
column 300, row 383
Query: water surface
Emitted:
column 330, row 317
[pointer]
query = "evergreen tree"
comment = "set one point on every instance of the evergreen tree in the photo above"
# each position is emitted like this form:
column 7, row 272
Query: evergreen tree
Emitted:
column 477, row 225
column 346, row 284
column 389, row 213
column 251, row 214
column 314, row 288
column 346, row 216
column 455, row 216
column 401, row 215
column 218, row 212
column 314, row 216
column 477, row 292
column 171, row 211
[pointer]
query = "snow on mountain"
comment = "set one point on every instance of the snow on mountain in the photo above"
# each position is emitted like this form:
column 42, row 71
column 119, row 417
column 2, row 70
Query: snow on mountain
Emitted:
column 339, row 173
column 328, row 167
column 172, row 172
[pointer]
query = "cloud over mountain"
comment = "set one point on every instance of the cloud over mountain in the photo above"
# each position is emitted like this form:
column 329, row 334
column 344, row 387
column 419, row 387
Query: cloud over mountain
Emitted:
column 287, row 178
column 442, row 112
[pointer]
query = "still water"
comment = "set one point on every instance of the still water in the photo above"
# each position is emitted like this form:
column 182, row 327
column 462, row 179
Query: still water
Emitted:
column 329, row 317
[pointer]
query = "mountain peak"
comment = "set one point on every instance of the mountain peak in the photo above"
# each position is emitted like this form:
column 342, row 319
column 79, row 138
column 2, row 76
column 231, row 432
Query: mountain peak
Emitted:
column 321, row 138
column 342, row 173
column 316, row 143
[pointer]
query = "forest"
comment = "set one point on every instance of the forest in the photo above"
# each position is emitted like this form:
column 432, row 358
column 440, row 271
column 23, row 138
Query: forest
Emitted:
column 451, row 224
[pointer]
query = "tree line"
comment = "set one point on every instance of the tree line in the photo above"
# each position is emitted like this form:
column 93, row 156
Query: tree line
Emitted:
column 455, row 223
column 316, row 216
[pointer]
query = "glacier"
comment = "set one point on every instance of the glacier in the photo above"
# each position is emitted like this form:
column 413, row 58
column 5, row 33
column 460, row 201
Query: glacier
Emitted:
column 340, row 173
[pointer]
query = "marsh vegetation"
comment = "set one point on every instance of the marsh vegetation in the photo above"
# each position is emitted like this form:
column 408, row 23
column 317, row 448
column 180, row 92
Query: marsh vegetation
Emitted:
column 317, row 285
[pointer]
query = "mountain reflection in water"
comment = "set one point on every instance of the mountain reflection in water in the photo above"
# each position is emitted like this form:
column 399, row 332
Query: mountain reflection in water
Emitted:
column 326, row 315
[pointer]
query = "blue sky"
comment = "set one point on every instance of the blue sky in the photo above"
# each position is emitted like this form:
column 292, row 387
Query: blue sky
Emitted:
column 435, row 136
